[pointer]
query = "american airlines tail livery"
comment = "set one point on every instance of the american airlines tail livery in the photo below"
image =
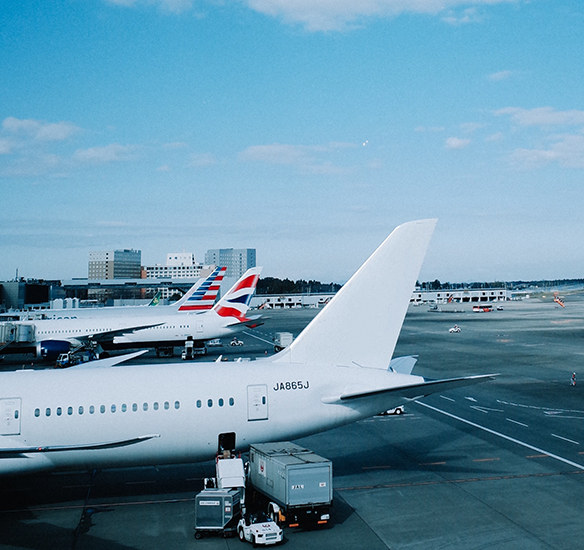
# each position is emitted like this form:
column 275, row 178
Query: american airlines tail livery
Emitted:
column 161, row 414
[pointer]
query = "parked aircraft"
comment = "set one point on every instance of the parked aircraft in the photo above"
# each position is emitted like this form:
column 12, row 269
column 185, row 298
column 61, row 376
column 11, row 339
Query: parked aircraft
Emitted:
column 154, row 414
column 200, row 297
column 47, row 339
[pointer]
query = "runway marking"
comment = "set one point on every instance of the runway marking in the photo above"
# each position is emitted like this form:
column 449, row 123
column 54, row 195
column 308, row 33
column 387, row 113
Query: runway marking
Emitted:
column 447, row 398
column 546, row 410
column 257, row 337
column 454, row 481
column 486, row 459
column 376, row 467
column 512, row 439
column 537, row 456
column 566, row 439
column 432, row 463
column 516, row 422
column 471, row 399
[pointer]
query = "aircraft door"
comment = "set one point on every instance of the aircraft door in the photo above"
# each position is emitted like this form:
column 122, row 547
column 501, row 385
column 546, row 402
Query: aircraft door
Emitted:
column 10, row 416
column 257, row 402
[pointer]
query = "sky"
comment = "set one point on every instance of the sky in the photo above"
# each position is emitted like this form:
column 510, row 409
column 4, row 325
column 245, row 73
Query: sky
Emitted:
column 306, row 129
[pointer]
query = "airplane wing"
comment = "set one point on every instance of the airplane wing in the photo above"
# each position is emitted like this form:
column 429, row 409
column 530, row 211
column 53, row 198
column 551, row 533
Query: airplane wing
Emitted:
column 12, row 451
column 109, row 335
column 414, row 391
column 249, row 322
column 109, row 362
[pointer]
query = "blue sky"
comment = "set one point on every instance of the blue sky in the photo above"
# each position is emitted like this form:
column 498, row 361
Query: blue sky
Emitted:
column 306, row 129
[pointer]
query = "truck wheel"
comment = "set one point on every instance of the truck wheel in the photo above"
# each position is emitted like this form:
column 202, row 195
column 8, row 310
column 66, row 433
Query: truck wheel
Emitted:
column 198, row 535
column 241, row 536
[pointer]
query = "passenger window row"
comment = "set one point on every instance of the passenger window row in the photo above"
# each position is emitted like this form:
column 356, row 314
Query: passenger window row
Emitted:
column 220, row 402
column 59, row 411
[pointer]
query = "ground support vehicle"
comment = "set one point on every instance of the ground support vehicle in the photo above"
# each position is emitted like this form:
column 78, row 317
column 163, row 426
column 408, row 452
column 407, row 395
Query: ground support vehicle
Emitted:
column 296, row 483
column 395, row 411
column 454, row 329
column 282, row 340
column 217, row 511
column 236, row 342
column 259, row 530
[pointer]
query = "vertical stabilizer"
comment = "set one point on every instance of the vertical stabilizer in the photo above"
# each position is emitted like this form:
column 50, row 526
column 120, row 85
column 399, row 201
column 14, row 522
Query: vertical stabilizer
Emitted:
column 201, row 296
column 236, row 302
column 361, row 324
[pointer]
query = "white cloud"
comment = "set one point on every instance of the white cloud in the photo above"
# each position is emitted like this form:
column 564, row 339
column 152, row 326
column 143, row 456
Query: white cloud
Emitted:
column 172, row 6
column 501, row 75
column 542, row 116
column 331, row 15
column 5, row 147
column 567, row 151
column 40, row 130
column 308, row 159
column 108, row 153
column 456, row 143
column 202, row 159
column 471, row 127
column 469, row 15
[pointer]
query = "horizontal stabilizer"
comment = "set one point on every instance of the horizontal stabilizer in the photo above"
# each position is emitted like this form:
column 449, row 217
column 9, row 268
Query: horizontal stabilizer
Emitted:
column 10, row 452
column 414, row 391
column 110, row 361
column 403, row 365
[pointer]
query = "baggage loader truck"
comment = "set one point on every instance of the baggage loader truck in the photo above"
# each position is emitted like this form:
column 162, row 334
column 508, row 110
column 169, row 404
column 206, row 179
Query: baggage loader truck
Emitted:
column 297, row 483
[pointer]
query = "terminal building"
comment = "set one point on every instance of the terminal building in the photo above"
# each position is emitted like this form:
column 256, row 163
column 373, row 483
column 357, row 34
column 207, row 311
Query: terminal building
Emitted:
column 236, row 260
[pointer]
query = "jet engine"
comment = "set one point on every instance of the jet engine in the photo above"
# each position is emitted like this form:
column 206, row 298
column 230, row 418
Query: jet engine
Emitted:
column 49, row 350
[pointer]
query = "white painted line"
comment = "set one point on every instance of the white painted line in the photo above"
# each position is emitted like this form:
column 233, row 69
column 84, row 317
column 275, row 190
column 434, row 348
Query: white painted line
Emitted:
column 448, row 398
column 515, row 422
column 480, row 409
column 566, row 439
column 513, row 440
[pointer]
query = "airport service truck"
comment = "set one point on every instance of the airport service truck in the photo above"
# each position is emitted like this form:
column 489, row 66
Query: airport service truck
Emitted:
column 282, row 340
column 296, row 483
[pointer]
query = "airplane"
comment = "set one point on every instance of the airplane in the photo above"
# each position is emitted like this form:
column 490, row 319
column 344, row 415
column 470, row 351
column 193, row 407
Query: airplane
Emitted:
column 335, row 373
column 200, row 297
column 49, row 338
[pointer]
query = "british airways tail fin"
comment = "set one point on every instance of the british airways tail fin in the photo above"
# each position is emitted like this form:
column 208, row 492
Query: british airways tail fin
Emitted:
column 236, row 302
column 202, row 295
column 361, row 324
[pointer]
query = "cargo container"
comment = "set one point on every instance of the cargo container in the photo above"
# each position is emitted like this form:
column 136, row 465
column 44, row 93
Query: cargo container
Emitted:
column 217, row 511
column 297, row 483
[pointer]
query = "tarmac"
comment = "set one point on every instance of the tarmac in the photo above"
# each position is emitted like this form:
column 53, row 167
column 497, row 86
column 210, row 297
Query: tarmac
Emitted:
column 499, row 465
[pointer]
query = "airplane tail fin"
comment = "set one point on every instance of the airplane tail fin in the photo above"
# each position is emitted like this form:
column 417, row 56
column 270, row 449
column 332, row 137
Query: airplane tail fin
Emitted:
column 236, row 302
column 361, row 324
column 202, row 295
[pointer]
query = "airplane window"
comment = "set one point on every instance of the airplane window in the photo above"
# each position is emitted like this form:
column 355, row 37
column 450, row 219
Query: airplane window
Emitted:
column 199, row 403
column 210, row 403
column 80, row 410
column 155, row 406
column 166, row 405
column 263, row 400
column 124, row 407
column 59, row 411
column 48, row 412
column 145, row 406
column 16, row 415
column 102, row 409
column 113, row 408
column 91, row 409
column 69, row 411
column 231, row 401
column 135, row 407
column 220, row 402
column 37, row 412
column 177, row 405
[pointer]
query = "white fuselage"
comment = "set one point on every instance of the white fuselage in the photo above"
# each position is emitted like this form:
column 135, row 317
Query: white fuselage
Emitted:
column 167, row 329
column 185, row 408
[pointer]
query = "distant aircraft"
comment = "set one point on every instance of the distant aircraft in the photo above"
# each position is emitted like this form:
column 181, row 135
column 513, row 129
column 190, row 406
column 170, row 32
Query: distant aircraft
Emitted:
column 200, row 297
column 47, row 339
column 335, row 373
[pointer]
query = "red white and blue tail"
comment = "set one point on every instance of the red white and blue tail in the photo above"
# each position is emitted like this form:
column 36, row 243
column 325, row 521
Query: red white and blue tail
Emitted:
column 236, row 302
column 201, row 297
